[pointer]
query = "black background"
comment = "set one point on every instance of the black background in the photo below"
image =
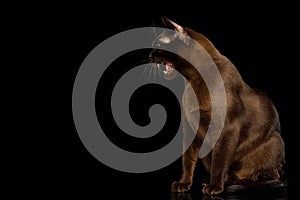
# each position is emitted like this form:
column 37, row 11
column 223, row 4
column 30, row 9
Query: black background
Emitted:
column 258, row 40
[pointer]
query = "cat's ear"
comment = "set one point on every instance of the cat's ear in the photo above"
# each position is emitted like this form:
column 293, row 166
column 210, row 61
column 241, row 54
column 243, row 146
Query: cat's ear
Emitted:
column 170, row 24
column 182, row 34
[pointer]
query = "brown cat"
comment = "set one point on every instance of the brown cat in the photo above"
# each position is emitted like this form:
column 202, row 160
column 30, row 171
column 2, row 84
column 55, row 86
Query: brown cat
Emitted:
column 250, row 146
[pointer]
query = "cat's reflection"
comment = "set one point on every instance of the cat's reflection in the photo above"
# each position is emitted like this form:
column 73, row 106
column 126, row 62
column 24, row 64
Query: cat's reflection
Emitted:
column 181, row 196
column 271, row 191
column 187, row 196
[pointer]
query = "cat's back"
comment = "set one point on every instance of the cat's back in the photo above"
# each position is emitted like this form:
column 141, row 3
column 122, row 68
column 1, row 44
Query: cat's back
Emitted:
column 260, row 108
column 254, row 105
column 243, row 102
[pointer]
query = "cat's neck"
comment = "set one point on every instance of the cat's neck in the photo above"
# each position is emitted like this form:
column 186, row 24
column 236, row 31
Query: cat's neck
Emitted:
column 204, row 42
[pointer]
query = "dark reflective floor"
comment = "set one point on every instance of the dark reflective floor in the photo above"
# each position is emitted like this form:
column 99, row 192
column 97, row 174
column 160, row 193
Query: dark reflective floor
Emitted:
column 276, row 192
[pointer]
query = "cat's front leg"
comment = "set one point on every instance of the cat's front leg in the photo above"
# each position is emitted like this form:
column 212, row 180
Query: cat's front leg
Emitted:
column 189, row 161
column 222, row 155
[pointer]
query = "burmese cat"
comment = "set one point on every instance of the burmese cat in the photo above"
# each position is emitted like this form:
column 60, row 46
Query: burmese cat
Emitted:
column 250, row 146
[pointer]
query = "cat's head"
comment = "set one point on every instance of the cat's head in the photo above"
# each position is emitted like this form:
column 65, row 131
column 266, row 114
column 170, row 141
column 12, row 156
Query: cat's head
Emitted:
column 177, row 39
column 182, row 40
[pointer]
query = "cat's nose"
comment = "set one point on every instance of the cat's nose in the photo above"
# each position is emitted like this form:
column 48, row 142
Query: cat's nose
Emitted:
column 151, row 53
column 154, row 53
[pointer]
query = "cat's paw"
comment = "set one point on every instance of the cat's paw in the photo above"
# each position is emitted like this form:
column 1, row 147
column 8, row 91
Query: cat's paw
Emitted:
column 212, row 189
column 180, row 187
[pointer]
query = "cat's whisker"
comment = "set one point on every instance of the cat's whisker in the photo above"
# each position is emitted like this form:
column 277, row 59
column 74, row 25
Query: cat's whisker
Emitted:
column 145, row 61
column 155, row 71
column 144, row 71
column 153, row 29
column 150, row 72
column 160, row 73
column 153, row 43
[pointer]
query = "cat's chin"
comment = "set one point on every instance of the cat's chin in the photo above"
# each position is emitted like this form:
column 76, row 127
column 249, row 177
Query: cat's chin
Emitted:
column 170, row 73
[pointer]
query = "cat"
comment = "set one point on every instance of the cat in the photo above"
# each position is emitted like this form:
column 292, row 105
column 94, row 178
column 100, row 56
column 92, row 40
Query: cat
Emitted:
column 250, row 147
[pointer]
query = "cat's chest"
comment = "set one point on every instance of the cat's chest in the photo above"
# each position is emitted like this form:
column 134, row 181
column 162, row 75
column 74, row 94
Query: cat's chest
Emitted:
column 189, row 100
column 190, row 107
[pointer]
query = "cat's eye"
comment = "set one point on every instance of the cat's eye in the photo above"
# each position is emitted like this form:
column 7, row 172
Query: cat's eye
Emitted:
column 158, row 45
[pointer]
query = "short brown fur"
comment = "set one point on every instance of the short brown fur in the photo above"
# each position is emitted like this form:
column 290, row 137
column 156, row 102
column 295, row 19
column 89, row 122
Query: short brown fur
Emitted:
column 250, row 146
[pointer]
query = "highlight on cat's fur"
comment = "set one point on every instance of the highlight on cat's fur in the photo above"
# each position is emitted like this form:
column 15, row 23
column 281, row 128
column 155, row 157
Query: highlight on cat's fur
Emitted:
column 250, row 148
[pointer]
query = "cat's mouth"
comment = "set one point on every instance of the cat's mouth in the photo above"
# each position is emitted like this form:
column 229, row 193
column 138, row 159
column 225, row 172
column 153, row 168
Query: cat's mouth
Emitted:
column 164, row 64
column 169, row 68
